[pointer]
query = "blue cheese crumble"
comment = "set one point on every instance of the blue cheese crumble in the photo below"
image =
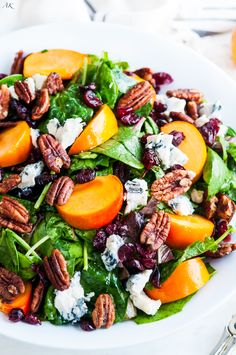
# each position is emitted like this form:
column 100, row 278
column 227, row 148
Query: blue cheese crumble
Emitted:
column 172, row 103
column 71, row 303
column 110, row 256
column 29, row 173
column 67, row 133
column 135, row 286
column 136, row 194
column 181, row 205
column 167, row 154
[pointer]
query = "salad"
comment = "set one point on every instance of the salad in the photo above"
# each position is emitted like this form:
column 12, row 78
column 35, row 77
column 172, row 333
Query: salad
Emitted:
column 115, row 191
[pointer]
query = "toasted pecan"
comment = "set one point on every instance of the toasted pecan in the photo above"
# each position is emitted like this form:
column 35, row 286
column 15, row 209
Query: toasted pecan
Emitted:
column 104, row 313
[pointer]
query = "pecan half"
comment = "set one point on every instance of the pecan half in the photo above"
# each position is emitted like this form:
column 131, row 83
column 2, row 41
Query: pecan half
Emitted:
column 186, row 94
column 136, row 97
column 37, row 297
column 210, row 207
column 192, row 109
column 54, row 83
column 180, row 116
column 14, row 215
column 54, row 155
column 223, row 250
column 4, row 101
column 172, row 185
column 103, row 314
column 23, row 91
column 9, row 183
column 156, row 230
column 225, row 208
column 42, row 105
column 11, row 285
column 60, row 191
column 56, row 270
column 146, row 74
column 17, row 65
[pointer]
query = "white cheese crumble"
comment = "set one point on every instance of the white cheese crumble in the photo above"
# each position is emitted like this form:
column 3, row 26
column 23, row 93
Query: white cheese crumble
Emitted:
column 136, row 194
column 211, row 110
column 131, row 311
column 181, row 205
column 29, row 174
column 199, row 122
column 135, row 286
column 67, row 133
column 31, row 86
column 70, row 303
column 197, row 196
column 39, row 81
column 110, row 256
column 172, row 103
column 34, row 133
column 13, row 93
column 166, row 152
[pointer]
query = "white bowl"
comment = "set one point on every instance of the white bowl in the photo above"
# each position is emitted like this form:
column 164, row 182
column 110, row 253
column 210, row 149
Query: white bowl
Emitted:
column 189, row 71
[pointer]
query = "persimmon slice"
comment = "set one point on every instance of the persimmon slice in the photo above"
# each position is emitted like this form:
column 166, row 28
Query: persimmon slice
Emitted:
column 193, row 145
column 15, row 144
column 187, row 278
column 93, row 204
column 62, row 61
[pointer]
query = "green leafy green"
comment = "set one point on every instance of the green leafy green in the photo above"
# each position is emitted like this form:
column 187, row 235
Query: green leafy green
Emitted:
column 93, row 161
column 8, row 252
column 215, row 172
column 97, row 279
column 11, row 79
column 25, row 266
column 145, row 110
column 231, row 132
column 166, row 310
column 232, row 150
column 50, row 312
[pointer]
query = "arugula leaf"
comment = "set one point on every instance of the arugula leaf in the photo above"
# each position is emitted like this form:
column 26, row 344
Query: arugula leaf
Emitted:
column 97, row 279
column 11, row 79
column 8, row 252
column 215, row 173
column 166, row 310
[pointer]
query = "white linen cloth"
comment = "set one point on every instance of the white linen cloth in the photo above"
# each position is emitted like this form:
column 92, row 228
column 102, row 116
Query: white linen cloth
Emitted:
column 155, row 16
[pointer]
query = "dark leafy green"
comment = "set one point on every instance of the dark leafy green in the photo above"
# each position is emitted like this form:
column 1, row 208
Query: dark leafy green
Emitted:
column 11, row 79
column 90, row 160
column 145, row 110
column 50, row 312
column 97, row 279
column 8, row 252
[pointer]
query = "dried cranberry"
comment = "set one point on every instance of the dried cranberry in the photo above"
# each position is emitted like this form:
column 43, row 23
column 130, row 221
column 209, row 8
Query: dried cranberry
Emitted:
column 91, row 86
column 85, row 175
column 221, row 228
column 2, row 75
column 99, row 241
column 210, row 130
column 143, row 139
column 149, row 159
column 122, row 171
column 45, row 178
column 111, row 228
column 21, row 111
column 87, row 325
column 134, row 266
column 159, row 118
column 145, row 251
column 162, row 78
column 91, row 99
column 35, row 156
column 134, row 222
column 123, row 111
column 178, row 137
column 126, row 252
column 176, row 167
column 16, row 315
column 32, row 319
column 128, row 72
column 159, row 107
column 155, row 278
column 130, row 119
column 148, row 263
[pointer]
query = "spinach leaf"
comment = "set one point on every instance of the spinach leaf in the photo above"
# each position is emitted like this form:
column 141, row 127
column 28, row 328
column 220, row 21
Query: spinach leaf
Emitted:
column 166, row 310
column 8, row 252
column 50, row 312
column 11, row 79
column 215, row 173
column 78, row 163
column 106, row 85
column 67, row 104
column 97, row 279
column 25, row 266
column 123, row 81
column 145, row 110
